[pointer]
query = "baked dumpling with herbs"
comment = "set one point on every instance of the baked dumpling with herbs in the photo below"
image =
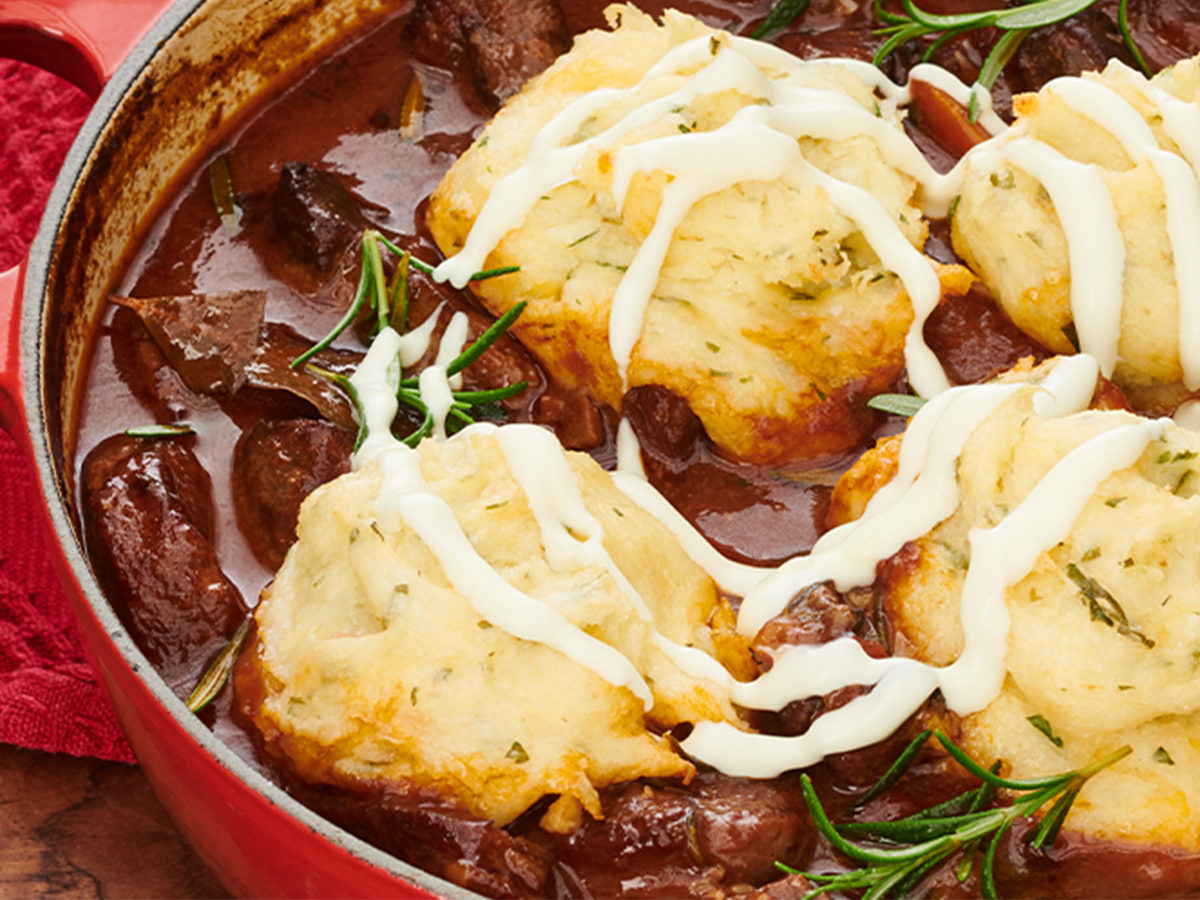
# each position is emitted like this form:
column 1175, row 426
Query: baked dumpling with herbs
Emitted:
column 1082, row 219
column 372, row 666
column 766, row 306
column 1103, row 644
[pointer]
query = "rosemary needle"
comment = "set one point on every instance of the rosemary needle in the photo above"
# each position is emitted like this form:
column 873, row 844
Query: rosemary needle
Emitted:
column 902, row 851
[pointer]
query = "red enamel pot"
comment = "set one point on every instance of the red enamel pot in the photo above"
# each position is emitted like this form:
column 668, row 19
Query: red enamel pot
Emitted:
column 169, row 76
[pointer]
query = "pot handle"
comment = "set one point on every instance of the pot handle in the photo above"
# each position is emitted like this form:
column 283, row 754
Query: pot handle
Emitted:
column 12, row 406
column 82, row 41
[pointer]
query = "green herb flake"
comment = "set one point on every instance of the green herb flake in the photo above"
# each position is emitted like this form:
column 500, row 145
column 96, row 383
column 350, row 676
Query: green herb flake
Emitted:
column 1114, row 502
column 1003, row 180
column 412, row 696
column 1162, row 756
column 217, row 675
column 905, row 405
column 1093, row 553
column 782, row 14
column 580, row 240
column 221, row 185
column 1039, row 722
column 159, row 431
column 715, row 348
column 517, row 753
column 1103, row 606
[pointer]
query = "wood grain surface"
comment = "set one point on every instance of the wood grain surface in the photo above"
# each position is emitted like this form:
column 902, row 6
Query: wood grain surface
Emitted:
column 72, row 827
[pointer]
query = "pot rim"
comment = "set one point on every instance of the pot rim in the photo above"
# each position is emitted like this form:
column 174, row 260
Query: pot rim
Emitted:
column 33, row 358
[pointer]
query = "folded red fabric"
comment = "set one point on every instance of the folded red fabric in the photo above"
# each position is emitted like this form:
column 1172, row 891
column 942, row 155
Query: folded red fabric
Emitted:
column 49, row 696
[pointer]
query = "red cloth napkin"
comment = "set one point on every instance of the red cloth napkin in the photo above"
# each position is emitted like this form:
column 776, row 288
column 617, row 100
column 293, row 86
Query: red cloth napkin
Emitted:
column 49, row 696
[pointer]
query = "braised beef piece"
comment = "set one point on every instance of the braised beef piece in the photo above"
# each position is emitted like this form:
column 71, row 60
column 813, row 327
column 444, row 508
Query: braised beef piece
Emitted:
column 501, row 43
column 575, row 418
column 147, row 507
column 419, row 827
column 661, row 840
column 317, row 217
column 276, row 464
column 663, row 422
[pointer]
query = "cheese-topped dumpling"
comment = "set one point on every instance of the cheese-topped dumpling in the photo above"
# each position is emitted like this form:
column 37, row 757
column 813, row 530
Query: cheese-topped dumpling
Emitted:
column 708, row 214
column 490, row 618
column 1082, row 218
column 1103, row 628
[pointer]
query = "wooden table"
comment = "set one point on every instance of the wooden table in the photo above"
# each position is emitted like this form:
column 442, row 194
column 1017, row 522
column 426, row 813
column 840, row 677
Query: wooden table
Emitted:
column 73, row 827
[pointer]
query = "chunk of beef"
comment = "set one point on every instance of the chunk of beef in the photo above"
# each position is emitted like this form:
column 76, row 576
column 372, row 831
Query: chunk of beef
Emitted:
column 149, row 517
column 502, row 43
column 576, row 420
column 421, row 828
column 663, row 422
column 667, row 841
column 317, row 217
column 276, row 464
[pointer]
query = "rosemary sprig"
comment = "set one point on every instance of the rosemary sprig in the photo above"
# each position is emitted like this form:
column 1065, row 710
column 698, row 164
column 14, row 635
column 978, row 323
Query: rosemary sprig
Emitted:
column 782, row 14
column 904, row 850
column 218, row 673
column 467, row 404
column 1015, row 23
column 388, row 301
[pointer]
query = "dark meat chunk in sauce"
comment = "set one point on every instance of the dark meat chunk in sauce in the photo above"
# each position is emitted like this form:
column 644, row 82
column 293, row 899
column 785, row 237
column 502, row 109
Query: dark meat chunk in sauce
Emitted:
column 149, row 514
column 276, row 464
column 501, row 43
column 576, row 420
column 419, row 827
column 315, row 215
column 662, row 841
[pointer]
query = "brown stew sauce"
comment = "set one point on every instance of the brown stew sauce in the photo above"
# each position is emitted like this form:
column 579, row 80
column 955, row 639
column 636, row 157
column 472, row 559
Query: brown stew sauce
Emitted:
column 185, row 531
